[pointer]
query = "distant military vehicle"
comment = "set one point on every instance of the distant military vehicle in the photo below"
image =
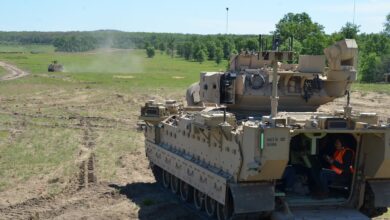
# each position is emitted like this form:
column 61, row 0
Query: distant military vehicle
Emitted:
column 55, row 67
column 229, row 149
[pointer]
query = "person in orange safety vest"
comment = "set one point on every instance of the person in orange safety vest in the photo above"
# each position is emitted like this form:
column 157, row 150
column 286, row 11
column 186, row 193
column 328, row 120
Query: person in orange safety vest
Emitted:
column 341, row 166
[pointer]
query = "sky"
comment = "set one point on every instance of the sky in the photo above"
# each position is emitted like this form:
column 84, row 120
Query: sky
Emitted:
column 183, row 16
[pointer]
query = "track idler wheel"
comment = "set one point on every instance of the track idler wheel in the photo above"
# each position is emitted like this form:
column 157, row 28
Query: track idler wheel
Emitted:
column 175, row 184
column 225, row 211
column 210, row 207
column 166, row 177
column 199, row 198
column 186, row 192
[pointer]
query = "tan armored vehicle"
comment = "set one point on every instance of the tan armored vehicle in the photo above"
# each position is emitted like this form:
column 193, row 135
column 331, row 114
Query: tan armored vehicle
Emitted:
column 302, row 87
column 55, row 67
column 232, row 153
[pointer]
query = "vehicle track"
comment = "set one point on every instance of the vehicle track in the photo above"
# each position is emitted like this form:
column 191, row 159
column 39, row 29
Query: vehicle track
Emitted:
column 86, row 176
column 13, row 72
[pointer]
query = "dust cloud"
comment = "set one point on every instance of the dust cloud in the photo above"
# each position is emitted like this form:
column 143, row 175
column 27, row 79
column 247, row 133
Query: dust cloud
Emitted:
column 107, row 59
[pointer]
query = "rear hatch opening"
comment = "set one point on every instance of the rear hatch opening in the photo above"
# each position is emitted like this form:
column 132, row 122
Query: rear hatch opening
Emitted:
column 302, row 183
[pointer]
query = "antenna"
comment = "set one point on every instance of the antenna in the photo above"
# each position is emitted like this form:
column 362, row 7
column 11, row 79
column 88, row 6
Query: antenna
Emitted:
column 227, row 20
column 354, row 11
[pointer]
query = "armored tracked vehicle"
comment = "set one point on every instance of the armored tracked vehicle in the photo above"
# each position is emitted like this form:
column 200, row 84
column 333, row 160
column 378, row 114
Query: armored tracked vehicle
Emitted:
column 230, row 150
column 55, row 67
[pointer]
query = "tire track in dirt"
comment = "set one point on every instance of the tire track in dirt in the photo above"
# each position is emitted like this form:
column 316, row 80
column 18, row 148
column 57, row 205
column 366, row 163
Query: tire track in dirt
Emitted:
column 86, row 176
column 13, row 72
column 67, row 205
column 74, row 196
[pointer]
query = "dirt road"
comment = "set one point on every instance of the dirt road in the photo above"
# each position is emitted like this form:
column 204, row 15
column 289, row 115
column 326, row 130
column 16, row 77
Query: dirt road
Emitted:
column 13, row 71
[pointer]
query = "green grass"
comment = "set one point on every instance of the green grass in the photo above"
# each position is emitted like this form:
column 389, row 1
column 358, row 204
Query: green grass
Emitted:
column 29, row 48
column 2, row 71
column 110, row 146
column 120, row 70
column 371, row 87
column 35, row 151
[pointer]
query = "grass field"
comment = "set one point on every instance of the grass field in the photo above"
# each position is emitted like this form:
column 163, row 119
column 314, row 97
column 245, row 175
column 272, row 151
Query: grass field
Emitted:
column 116, row 68
column 107, row 84
column 29, row 48
column 48, row 121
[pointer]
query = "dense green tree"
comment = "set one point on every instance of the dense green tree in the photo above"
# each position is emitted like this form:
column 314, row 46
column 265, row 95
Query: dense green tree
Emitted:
column 75, row 43
column 188, row 48
column 369, row 71
column 201, row 55
column 180, row 49
column 228, row 48
column 240, row 43
column 171, row 46
column 350, row 31
column 298, row 26
column 374, row 43
column 211, row 49
column 314, row 44
column 198, row 46
column 218, row 55
column 251, row 44
column 162, row 46
column 150, row 52
column 387, row 25
column 385, row 64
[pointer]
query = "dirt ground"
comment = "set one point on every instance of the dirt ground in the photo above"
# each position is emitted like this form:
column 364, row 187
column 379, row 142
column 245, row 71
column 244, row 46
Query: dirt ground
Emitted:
column 13, row 72
column 134, row 196
column 86, row 194
column 94, row 189
column 363, row 102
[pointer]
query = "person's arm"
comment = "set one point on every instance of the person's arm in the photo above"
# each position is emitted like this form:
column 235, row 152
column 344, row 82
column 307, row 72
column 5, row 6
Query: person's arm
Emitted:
column 347, row 159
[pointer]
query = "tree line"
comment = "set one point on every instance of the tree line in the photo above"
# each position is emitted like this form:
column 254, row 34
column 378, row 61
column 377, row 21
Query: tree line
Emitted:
column 308, row 38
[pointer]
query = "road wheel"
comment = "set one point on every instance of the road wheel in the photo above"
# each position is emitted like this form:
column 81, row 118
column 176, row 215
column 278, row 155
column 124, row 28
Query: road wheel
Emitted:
column 198, row 199
column 186, row 191
column 210, row 206
column 175, row 183
column 166, row 178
